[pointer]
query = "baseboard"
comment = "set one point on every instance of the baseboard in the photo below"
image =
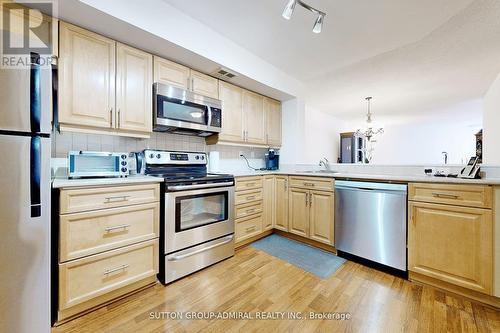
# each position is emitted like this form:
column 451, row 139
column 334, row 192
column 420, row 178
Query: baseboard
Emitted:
column 247, row 241
column 473, row 295
column 308, row 241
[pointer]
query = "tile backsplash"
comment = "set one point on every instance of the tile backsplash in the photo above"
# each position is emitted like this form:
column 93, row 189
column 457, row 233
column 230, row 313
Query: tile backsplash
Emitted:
column 62, row 143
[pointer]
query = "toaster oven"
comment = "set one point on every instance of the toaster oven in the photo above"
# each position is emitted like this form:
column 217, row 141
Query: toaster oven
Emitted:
column 83, row 164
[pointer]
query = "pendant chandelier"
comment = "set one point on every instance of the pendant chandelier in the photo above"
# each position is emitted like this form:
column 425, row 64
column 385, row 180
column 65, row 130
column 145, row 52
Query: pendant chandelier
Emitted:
column 369, row 132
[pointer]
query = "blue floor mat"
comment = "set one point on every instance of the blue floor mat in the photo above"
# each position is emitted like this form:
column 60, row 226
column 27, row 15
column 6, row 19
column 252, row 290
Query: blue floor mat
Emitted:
column 316, row 261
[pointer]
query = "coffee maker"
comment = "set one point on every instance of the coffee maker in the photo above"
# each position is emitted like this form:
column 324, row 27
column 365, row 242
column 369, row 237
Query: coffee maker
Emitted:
column 272, row 160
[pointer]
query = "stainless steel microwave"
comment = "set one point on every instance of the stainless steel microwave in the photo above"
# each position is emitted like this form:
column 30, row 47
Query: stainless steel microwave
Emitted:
column 97, row 164
column 183, row 112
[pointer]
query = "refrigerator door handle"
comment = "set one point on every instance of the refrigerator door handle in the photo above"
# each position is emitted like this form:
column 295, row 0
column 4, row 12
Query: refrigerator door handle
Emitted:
column 35, row 174
column 35, row 93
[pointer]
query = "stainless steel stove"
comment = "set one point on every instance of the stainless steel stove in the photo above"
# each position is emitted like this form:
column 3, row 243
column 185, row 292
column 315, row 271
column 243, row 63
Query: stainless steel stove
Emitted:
column 198, row 224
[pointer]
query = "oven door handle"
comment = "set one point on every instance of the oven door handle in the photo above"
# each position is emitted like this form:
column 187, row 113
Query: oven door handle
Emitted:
column 181, row 256
column 198, row 186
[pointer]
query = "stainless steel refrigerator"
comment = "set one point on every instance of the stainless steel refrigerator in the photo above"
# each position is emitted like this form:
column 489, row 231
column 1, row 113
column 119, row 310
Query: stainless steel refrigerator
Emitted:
column 25, row 181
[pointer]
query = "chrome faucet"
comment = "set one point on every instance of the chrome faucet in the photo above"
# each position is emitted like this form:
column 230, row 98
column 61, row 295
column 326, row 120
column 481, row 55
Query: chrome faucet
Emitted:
column 445, row 155
column 325, row 163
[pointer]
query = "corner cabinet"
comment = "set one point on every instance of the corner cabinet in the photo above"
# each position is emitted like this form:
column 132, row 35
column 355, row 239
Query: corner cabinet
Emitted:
column 93, row 70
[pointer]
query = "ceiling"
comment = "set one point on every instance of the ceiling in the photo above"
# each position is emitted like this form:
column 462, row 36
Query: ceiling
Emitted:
column 409, row 55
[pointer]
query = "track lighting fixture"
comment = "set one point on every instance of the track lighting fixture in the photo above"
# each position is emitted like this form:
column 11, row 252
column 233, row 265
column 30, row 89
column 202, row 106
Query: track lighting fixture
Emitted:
column 290, row 7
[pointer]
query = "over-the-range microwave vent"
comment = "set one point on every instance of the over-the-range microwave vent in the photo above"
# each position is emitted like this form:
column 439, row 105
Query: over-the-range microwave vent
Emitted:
column 181, row 131
column 225, row 73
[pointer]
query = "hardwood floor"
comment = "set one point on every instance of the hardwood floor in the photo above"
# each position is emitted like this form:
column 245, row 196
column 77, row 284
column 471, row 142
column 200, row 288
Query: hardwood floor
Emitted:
column 253, row 281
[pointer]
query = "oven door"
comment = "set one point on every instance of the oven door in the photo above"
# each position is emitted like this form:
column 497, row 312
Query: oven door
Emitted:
column 196, row 216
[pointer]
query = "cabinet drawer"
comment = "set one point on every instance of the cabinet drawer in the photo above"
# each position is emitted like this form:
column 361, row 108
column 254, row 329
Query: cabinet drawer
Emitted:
column 314, row 183
column 461, row 195
column 248, row 209
column 248, row 227
column 244, row 197
column 87, row 199
column 248, row 183
column 84, row 279
column 83, row 234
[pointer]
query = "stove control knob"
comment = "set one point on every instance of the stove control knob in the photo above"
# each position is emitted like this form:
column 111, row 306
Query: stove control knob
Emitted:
column 197, row 157
column 124, row 163
column 124, row 157
column 151, row 156
column 202, row 157
column 124, row 169
column 158, row 156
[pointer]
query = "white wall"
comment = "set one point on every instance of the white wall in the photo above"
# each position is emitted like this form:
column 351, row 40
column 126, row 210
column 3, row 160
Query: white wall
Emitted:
column 491, row 134
column 422, row 139
column 322, row 137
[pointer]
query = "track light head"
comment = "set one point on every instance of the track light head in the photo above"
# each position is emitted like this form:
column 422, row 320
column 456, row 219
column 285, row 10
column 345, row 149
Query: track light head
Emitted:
column 289, row 8
column 318, row 25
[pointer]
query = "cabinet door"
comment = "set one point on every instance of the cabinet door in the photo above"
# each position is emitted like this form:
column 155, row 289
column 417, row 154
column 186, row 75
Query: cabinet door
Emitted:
column 321, row 219
column 254, row 117
column 281, row 203
column 232, row 112
column 86, row 78
column 451, row 244
column 134, row 89
column 298, row 212
column 204, row 85
column 268, row 203
column 171, row 73
column 272, row 110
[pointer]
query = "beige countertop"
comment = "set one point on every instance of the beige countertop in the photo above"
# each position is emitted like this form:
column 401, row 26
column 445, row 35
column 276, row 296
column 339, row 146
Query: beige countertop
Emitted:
column 379, row 177
column 83, row 182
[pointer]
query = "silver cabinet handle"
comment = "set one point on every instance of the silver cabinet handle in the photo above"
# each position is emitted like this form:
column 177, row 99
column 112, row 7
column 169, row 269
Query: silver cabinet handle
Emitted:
column 307, row 198
column 117, row 199
column 250, row 184
column 250, row 228
column 122, row 226
column 251, row 197
column 119, row 116
column 112, row 270
column 111, row 117
column 310, row 199
column 445, row 196
column 309, row 184
column 249, row 211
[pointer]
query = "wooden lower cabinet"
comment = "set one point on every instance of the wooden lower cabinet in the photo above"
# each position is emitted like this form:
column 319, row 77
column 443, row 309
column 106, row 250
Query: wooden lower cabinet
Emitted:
column 298, row 212
column 453, row 244
column 321, row 226
column 311, row 214
column 248, row 227
column 268, row 203
column 281, row 203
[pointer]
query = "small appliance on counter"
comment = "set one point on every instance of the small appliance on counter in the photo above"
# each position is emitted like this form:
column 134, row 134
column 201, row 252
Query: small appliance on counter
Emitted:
column 88, row 164
column 272, row 160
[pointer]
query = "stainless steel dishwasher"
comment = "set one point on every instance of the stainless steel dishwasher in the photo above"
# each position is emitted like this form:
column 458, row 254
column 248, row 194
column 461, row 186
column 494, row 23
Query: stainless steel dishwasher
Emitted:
column 370, row 221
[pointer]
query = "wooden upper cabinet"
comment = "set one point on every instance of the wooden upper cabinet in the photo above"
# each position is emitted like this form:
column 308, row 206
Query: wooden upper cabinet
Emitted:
column 452, row 244
column 272, row 110
column 134, row 89
column 281, row 203
column 86, row 78
column 232, row 112
column 298, row 212
column 254, row 118
column 171, row 73
column 268, row 203
column 321, row 217
column 204, row 85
